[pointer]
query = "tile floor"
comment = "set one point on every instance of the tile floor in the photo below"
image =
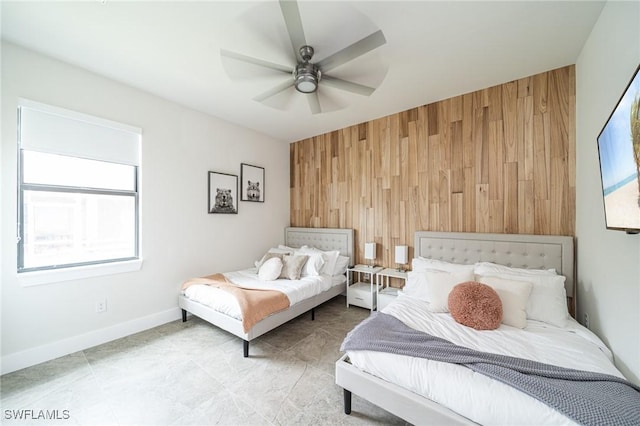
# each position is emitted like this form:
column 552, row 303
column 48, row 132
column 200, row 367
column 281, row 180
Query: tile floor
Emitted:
column 194, row 374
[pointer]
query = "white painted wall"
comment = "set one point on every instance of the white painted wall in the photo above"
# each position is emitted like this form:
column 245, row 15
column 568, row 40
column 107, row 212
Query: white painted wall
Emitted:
column 608, row 261
column 179, row 238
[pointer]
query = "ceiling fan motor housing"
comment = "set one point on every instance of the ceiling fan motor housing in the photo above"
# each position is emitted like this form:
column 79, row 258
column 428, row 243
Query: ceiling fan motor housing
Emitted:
column 306, row 53
column 306, row 75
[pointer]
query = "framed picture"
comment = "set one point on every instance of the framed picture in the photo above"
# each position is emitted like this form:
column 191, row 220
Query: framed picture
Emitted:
column 223, row 193
column 252, row 183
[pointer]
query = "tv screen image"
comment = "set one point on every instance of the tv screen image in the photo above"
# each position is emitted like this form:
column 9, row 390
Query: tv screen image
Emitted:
column 619, row 149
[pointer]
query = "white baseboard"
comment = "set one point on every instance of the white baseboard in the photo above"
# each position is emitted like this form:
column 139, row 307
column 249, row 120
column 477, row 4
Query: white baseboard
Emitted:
column 37, row 355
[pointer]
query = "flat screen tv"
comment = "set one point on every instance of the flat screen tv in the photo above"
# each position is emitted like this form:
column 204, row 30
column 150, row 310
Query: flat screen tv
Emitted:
column 619, row 150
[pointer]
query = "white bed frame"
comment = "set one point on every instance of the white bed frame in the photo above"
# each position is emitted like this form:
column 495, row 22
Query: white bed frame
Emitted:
column 321, row 238
column 520, row 251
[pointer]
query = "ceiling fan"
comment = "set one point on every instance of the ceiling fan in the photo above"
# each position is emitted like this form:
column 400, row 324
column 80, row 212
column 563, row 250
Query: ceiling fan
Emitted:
column 307, row 76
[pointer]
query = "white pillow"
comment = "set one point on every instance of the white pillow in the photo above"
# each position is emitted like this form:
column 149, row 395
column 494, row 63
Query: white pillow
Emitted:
column 330, row 257
column 422, row 263
column 548, row 298
column 314, row 263
column 270, row 269
column 440, row 284
column 283, row 250
column 434, row 287
column 514, row 296
column 341, row 265
column 488, row 268
column 331, row 260
column 416, row 285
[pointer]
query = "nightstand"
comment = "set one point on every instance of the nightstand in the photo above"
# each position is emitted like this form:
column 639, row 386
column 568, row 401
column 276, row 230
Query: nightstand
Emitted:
column 386, row 293
column 360, row 292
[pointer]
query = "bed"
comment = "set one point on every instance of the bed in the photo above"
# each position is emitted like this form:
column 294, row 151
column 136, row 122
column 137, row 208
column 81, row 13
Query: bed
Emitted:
column 322, row 239
column 426, row 391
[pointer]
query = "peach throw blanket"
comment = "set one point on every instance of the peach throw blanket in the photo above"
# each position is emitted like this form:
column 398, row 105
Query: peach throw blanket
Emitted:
column 255, row 304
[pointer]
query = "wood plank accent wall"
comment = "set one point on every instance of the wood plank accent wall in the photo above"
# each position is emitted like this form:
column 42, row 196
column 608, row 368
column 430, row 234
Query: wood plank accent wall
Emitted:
column 498, row 160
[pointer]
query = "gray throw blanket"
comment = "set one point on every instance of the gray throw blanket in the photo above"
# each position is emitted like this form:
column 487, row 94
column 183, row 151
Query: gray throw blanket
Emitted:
column 585, row 397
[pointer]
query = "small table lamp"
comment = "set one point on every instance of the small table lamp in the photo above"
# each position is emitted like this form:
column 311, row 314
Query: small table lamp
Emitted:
column 401, row 258
column 370, row 253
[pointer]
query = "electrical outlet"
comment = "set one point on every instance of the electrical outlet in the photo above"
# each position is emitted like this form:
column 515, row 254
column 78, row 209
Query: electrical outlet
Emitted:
column 586, row 320
column 101, row 306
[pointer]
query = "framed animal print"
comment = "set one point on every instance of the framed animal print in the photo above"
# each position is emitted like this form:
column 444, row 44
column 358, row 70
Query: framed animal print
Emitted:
column 251, row 183
column 223, row 193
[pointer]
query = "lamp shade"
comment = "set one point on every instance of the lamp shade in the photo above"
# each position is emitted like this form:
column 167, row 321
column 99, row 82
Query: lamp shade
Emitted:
column 370, row 251
column 402, row 254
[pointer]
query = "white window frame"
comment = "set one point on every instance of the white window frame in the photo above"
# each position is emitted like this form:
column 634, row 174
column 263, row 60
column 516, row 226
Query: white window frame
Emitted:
column 56, row 130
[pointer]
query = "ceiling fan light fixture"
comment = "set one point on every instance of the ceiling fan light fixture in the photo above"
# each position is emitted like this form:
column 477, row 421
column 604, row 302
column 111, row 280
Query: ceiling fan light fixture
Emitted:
column 306, row 83
column 306, row 77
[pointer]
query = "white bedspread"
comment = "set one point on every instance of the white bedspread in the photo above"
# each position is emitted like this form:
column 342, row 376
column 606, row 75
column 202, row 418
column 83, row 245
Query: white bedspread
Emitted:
column 295, row 290
column 473, row 395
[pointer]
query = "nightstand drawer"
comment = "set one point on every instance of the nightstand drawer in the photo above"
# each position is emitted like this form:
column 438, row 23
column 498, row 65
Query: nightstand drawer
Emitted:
column 360, row 294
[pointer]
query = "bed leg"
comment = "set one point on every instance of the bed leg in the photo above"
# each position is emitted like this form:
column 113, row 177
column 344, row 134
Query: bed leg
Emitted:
column 313, row 314
column 347, row 401
column 245, row 348
column 184, row 316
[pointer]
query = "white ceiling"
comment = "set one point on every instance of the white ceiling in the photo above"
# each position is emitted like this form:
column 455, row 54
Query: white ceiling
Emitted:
column 434, row 50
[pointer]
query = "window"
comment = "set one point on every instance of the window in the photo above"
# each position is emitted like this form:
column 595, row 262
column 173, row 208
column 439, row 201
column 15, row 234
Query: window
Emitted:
column 78, row 192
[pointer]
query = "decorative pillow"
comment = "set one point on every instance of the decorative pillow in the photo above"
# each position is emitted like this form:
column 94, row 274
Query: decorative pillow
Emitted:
column 476, row 305
column 292, row 266
column 269, row 254
column 270, row 269
column 422, row 263
column 488, row 268
column 548, row 299
column 514, row 296
column 434, row 286
column 341, row 265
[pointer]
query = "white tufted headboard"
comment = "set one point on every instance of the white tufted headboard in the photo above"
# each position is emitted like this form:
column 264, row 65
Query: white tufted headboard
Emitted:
column 517, row 250
column 322, row 238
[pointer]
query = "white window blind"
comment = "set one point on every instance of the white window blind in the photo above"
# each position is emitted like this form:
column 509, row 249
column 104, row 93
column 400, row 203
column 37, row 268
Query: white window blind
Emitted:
column 46, row 128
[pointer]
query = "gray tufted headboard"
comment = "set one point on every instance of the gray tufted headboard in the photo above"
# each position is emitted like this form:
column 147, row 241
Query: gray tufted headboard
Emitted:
column 322, row 238
column 516, row 250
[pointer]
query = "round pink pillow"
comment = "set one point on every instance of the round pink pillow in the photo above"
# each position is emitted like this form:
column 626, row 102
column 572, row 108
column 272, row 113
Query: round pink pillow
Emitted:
column 475, row 305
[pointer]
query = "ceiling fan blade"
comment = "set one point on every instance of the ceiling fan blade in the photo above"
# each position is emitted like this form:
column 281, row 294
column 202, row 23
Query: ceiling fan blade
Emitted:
column 291, row 15
column 314, row 102
column 256, row 61
column 274, row 90
column 351, row 52
column 349, row 86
